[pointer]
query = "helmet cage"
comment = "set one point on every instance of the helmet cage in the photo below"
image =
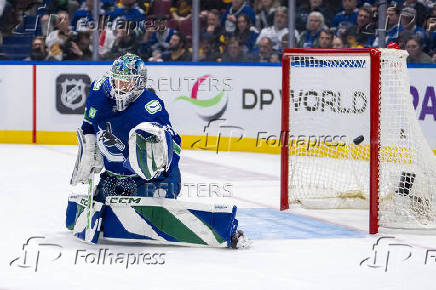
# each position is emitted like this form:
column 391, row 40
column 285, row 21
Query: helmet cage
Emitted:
column 126, row 88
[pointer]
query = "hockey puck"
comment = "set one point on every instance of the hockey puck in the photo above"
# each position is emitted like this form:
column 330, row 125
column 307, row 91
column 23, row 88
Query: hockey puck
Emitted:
column 358, row 140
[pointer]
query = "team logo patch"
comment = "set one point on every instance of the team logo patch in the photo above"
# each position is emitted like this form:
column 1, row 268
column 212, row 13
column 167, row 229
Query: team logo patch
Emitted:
column 153, row 107
column 109, row 144
column 92, row 112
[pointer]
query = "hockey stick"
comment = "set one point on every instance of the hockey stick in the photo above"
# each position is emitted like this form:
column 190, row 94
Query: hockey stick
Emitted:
column 90, row 208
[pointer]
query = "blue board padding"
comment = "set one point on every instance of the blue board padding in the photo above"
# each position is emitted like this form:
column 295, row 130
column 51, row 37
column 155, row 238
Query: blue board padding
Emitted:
column 272, row 224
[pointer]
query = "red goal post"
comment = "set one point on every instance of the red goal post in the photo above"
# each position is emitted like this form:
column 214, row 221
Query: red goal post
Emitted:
column 374, row 55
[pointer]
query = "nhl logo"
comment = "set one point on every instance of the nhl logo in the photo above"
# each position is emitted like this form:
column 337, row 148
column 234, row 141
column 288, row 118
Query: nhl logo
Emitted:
column 71, row 93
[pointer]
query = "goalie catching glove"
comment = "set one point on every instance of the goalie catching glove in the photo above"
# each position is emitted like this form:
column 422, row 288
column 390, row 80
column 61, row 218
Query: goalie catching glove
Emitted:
column 150, row 150
column 88, row 159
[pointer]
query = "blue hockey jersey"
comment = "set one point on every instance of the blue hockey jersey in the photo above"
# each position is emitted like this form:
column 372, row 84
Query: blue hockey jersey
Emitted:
column 112, row 127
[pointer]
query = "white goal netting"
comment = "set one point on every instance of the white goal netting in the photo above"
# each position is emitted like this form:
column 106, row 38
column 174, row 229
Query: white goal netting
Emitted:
column 329, row 127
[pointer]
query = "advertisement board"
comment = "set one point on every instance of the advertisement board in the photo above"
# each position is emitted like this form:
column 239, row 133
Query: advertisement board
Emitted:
column 238, row 104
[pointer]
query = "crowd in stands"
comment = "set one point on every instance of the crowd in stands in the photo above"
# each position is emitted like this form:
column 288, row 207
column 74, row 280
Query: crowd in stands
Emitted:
column 230, row 30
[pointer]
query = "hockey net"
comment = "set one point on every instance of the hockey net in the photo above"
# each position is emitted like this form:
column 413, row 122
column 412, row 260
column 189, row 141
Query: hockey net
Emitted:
column 350, row 132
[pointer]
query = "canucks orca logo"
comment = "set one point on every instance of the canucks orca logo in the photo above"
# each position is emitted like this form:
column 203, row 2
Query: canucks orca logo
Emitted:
column 107, row 140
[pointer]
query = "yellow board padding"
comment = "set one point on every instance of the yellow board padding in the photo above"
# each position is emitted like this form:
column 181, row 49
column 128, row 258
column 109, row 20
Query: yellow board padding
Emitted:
column 190, row 142
column 15, row 137
column 56, row 138
column 222, row 144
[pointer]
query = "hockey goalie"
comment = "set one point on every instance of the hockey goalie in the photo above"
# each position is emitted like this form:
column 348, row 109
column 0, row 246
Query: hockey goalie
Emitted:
column 126, row 137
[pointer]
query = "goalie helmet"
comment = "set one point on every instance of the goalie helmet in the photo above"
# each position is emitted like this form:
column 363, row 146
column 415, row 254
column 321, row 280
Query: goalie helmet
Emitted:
column 127, row 77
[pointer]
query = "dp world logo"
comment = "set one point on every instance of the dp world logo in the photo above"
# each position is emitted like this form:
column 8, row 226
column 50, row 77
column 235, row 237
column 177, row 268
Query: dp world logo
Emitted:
column 71, row 93
column 207, row 108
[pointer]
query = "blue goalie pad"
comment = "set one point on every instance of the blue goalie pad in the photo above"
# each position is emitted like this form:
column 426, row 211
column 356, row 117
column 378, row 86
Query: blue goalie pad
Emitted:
column 168, row 221
column 76, row 218
column 154, row 220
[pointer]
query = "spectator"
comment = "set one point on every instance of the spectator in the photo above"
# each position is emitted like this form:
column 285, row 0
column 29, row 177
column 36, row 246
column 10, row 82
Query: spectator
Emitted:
column 308, row 7
column 56, row 39
column 9, row 18
column 433, row 59
column 276, row 32
column 181, row 9
column 266, row 52
column 229, row 18
column 362, row 34
column 128, row 10
column 176, row 50
column 421, row 10
column 56, row 6
column 348, row 15
column 309, row 38
column 125, row 42
column 338, row 42
column 265, row 15
column 213, row 22
column 77, row 47
column 408, row 24
column 433, row 11
column 431, row 32
column 326, row 39
column 213, row 29
column 107, row 39
column 403, row 37
column 83, row 16
column 416, row 55
column 246, row 34
column 39, row 51
column 156, row 43
column 234, row 52
column 207, row 51
column 392, row 27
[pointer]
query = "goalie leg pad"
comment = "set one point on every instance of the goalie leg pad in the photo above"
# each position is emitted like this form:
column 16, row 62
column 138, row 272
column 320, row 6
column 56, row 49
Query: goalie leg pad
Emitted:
column 88, row 158
column 168, row 221
column 76, row 218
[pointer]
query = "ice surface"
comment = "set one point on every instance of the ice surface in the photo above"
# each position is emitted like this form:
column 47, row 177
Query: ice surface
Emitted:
column 299, row 249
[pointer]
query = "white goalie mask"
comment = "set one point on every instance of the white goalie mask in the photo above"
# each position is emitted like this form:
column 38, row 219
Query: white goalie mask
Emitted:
column 128, row 79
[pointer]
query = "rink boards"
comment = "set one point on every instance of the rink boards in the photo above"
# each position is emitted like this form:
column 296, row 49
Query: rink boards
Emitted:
column 214, row 107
